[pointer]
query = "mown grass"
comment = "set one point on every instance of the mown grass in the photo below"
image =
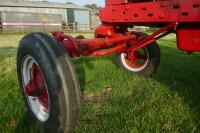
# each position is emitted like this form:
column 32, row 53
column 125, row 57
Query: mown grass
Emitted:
column 115, row 101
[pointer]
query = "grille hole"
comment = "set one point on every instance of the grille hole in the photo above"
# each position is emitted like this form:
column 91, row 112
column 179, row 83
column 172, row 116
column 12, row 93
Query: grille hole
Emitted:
column 176, row 6
column 196, row 6
column 150, row 15
column 135, row 15
column 144, row 8
column 184, row 13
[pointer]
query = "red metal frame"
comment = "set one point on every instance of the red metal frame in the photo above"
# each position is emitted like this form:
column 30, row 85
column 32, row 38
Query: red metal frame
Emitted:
column 110, row 43
column 92, row 47
column 151, row 11
column 179, row 16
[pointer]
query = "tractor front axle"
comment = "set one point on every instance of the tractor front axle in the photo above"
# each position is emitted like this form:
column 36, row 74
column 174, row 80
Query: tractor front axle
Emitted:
column 113, row 43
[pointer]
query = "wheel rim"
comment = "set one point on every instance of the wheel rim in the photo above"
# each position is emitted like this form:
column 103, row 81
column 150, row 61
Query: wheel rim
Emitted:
column 35, row 89
column 138, row 61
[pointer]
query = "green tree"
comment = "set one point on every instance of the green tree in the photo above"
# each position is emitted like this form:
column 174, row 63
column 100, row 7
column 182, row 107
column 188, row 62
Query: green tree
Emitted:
column 91, row 6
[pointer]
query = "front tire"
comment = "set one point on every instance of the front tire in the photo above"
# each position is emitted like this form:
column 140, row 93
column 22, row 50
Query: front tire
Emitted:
column 48, row 82
column 146, row 60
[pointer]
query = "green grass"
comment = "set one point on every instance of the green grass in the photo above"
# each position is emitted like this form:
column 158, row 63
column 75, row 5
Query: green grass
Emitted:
column 115, row 101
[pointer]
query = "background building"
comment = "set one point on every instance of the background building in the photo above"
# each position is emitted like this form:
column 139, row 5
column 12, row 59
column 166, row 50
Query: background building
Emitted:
column 95, row 21
column 49, row 15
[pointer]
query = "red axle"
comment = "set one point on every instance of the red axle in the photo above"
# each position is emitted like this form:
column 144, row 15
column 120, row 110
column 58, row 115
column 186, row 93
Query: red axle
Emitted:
column 86, row 47
column 114, row 43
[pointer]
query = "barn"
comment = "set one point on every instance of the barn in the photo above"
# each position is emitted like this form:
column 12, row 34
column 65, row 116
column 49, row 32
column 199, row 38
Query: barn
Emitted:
column 36, row 14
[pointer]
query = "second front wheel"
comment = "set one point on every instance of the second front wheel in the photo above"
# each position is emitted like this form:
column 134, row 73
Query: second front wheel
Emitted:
column 144, row 61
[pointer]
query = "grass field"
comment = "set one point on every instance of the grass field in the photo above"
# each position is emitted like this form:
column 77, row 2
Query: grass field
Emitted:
column 115, row 102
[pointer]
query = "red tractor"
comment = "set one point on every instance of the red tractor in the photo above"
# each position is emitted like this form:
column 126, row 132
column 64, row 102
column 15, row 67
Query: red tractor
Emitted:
column 47, row 77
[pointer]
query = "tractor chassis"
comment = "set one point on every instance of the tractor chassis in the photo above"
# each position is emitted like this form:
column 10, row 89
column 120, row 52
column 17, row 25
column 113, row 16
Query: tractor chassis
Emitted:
column 112, row 43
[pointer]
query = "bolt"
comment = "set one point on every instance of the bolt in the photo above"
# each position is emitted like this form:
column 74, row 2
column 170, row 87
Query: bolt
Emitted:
column 161, row 16
column 114, row 9
column 162, row 5
column 127, row 8
column 126, row 18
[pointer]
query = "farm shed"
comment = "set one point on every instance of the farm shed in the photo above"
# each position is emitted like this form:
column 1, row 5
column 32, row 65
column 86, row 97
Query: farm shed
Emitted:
column 32, row 13
column 95, row 21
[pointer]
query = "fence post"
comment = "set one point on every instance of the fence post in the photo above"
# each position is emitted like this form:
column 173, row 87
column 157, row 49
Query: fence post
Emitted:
column 74, row 26
column 22, row 27
column 43, row 27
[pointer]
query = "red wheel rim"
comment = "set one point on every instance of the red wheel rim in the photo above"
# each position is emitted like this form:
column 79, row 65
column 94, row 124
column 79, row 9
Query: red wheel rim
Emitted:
column 35, row 88
column 137, row 60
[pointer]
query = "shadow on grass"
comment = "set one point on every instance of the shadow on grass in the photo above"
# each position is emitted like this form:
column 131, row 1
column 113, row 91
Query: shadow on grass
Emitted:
column 177, row 71
column 25, row 125
column 86, row 62
column 181, row 74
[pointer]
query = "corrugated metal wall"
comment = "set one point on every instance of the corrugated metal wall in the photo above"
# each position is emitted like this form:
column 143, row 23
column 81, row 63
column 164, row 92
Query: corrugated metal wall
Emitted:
column 79, row 18
column 31, row 17
column 16, row 21
column 62, row 12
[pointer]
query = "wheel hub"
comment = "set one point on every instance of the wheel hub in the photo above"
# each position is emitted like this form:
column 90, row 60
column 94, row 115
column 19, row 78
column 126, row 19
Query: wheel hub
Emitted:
column 136, row 60
column 35, row 89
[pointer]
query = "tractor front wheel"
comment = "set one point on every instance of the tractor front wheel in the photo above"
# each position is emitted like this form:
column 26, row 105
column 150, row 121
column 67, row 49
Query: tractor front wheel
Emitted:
column 144, row 61
column 48, row 83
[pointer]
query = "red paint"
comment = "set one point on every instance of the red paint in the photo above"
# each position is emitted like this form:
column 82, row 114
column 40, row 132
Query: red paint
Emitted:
column 109, row 42
column 110, row 51
column 137, row 59
column 87, row 47
column 37, row 87
column 121, row 11
column 115, row 2
column 118, row 15
column 150, row 39
column 104, row 31
column 189, row 39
